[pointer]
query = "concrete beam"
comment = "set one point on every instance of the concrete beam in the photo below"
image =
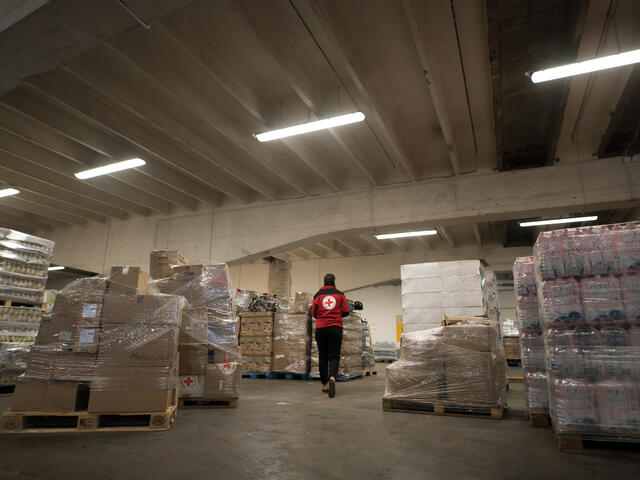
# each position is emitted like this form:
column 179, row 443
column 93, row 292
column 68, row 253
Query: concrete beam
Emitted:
column 442, row 231
column 7, row 208
column 62, row 208
column 378, row 245
column 46, row 215
column 481, row 197
column 23, row 222
column 477, row 233
column 317, row 250
column 139, row 133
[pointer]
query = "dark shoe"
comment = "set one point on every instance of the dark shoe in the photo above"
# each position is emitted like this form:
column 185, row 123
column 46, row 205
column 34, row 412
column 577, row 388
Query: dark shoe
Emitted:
column 332, row 388
column 325, row 390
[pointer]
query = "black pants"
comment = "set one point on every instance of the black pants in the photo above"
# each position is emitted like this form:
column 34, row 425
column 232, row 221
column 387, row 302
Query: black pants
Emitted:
column 329, row 340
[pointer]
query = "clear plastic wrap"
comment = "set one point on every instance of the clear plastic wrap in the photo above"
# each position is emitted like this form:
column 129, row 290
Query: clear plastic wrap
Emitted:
column 385, row 351
column 460, row 365
column 291, row 343
column 351, row 351
column 117, row 336
column 256, row 341
column 589, row 282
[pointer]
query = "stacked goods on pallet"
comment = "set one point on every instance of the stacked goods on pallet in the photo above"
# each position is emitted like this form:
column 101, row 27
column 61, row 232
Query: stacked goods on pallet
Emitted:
column 459, row 366
column 385, row 351
column 110, row 346
column 24, row 263
column 490, row 294
column 209, row 352
column 588, row 284
column 510, row 340
column 531, row 338
column 243, row 300
column 256, row 341
column 161, row 263
column 291, row 343
column 432, row 290
column 368, row 359
column 351, row 352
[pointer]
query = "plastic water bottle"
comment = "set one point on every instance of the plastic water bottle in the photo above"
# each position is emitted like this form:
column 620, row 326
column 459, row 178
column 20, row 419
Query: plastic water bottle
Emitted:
column 527, row 312
column 630, row 289
column 548, row 255
column 561, row 302
column 616, row 354
column 617, row 406
column 533, row 355
column 587, row 343
column 627, row 247
column 575, row 405
column 576, row 258
column 601, row 250
column 601, row 299
column 536, row 390
column 562, row 353
column 524, row 276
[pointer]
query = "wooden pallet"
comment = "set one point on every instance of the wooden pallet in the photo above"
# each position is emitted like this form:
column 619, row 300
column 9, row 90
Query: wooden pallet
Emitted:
column 597, row 444
column 540, row 420
column 369, row 373
column 408, row 406
column 208, row 403
column 289, row 376
column 256, row 375
column 83, row 422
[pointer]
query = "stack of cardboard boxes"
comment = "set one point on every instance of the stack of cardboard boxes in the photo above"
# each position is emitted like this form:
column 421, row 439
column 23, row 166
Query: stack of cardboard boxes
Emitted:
column 208, row 343
column 256, row 341
column 291, row 343
column 161, row 263
column 109, row 346
column 458, row 365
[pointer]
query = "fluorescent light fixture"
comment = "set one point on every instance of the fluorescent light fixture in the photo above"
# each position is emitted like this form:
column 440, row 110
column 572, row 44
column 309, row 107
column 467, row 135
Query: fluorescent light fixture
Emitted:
column 111, row 168
column 7, row 192
column 421, row 233
column 557, row 221
column 311, row 126
column 56, row 267
column 588, row 66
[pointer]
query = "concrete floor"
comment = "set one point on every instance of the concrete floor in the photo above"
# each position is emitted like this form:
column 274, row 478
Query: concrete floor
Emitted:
column 311, row 436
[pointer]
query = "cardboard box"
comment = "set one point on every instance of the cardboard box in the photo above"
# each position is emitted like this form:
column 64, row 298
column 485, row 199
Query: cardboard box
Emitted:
column 29, row 396
column 193, row 359
column 256, row 363
column 131, row 400
column 222, row 331
column 256, row 345
column 89, row 290
column 474, row 378
column 66, row 396
column 162, row 261
column 70, row 308
column 191, row 386
column 128, row 280
column 291, row 324
column 302, row 302
column 475, row 334
column 133, row 389
column 228, row 354
column 291, row 361
column 256, row 323
column 86, row 338
column 194, row 326
column 56, row 331
column 222, row 380
column 130, row 345
column 142, row 309
column 74, row 366
column 415, row 381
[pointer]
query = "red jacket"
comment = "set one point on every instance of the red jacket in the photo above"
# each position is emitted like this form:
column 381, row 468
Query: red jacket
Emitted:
column 329, row 306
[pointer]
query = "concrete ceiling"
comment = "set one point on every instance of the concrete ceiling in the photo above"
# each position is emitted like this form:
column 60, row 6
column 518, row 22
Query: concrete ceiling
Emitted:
column 442, row 84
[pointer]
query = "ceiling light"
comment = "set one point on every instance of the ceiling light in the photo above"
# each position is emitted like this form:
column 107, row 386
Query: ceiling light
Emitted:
column 7, row 192
column 56, row 267
column 557, row 221
column 421, row 233
column 594, row 65
column 111, row 168
column 311, row 126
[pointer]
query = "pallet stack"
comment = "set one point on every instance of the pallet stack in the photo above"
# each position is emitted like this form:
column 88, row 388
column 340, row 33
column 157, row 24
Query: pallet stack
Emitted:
column 454, row 369
column 368, row 359
column 256, row 341
column 24, row 263
column 531, row 342
column 291, row 343
column 210, row 368
column 105, row 359
column 588, row 284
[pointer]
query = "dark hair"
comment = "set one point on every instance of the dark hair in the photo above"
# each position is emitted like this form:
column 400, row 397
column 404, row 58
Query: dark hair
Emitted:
column 329, row 280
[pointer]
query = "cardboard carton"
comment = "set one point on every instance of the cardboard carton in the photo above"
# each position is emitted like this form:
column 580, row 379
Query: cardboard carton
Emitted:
column 86, row 338
column 128, row 280
column 416, row 381
column 66, row 396
column 256, row 363
column 222, row 380
column 291, row 361
column 230, row 353
column 194, row 326
column 131, row 345
column 131, row 400
column 142, row 309
column 191, row 386
column 473, row 334
column 256, row 345
column 302, row 302
column 256, row 323
column 72, row 309
column 474, row 377
column 193, row 359
column 56, row 331
column 74, row 366
column 29, row 396
column 162, row 261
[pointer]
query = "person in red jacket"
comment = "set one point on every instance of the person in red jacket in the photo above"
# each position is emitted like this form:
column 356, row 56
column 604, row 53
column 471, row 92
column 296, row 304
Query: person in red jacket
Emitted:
column 329, row 307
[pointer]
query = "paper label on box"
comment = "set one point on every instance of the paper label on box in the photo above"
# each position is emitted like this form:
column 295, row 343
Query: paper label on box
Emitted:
column 65, row 335
column 87, row 335
column 89, row 310
column 280, row 356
